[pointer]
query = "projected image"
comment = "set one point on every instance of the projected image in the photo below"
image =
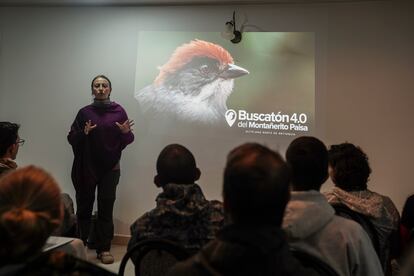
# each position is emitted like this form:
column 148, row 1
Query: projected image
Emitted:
column 193, row 85
column 189, row 82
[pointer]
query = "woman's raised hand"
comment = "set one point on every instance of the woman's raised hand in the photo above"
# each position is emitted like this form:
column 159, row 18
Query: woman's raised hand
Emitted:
column 88, row 127
column 126, row 126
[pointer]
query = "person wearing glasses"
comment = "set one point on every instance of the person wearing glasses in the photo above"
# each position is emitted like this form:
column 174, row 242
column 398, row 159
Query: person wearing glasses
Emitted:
column 98, row 135
column 9, row 146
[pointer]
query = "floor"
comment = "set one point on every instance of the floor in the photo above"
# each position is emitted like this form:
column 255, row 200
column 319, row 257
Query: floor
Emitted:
column 118, row 251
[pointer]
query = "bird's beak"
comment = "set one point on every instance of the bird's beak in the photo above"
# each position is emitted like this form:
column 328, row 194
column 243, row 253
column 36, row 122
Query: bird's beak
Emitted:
column 233, row 71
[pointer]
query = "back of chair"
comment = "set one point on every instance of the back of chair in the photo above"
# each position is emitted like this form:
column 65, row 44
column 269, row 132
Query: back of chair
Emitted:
column 154, row 257
column 344, row 211
column 313, row 262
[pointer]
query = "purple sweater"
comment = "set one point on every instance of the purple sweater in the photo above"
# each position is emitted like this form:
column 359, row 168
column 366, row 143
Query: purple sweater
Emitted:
column 100, row 150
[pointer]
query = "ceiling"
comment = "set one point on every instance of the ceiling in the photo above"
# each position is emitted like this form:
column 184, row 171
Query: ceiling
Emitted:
column 166, row 2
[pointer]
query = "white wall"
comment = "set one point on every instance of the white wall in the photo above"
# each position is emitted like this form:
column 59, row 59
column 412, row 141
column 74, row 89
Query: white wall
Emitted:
column 364, row 82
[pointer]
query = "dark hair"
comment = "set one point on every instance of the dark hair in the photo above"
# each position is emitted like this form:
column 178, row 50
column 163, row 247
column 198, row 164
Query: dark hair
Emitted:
column 29, row 211
column 8, row 136
column 176, row 164
column 102, row 77
column 308, row 159
column 350, row 167
column 255, row 185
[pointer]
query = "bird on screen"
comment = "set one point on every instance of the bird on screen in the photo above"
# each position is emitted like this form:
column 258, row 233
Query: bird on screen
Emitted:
column 193, row 85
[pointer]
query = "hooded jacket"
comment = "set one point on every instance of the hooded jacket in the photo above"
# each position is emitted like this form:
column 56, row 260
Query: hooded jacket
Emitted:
column 380, row 209
column 312, row 226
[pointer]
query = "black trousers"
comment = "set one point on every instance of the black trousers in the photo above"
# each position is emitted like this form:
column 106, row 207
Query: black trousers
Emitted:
column 85, row 198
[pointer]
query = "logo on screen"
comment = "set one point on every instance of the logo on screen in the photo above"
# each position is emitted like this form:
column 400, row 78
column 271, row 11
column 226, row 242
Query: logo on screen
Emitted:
column 231, row 116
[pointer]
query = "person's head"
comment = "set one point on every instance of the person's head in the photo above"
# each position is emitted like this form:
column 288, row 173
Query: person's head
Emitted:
column 349, row 167
column 176, row 164
column 255, row 185
column 9, row 140
column 308, row 159
column 101, row 87
column 30, row 209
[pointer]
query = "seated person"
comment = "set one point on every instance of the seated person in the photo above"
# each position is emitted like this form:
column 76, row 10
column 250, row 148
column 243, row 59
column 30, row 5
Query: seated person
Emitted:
column 9, row 146
column 310, row 221
column 255, row 193
column 182, row 213
column 30, row 209
column 349, row 170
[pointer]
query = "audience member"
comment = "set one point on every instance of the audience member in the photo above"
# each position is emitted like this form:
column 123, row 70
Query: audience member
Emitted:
column 310, row 221
column 349, row 170
column 9, row 146
column 255, row 193
column 30, row 209
column 182, row 213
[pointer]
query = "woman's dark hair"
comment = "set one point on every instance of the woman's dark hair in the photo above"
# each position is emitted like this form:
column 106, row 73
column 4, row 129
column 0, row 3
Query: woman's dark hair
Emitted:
column 102, row 77
column 350, row 167
column 8, row 136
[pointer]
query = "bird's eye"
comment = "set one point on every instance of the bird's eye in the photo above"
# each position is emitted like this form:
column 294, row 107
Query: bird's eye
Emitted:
column 204, row 69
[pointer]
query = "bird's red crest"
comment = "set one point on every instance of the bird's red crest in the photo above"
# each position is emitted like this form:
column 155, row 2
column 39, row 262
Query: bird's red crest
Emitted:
column 186, row 52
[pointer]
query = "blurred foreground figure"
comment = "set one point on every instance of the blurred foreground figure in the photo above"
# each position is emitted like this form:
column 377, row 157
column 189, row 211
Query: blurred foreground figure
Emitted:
column 30, row 209
column 10, row 142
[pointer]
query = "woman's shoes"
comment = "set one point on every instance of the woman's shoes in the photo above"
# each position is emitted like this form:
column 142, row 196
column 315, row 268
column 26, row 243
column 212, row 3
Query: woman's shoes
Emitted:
column 106, row 257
